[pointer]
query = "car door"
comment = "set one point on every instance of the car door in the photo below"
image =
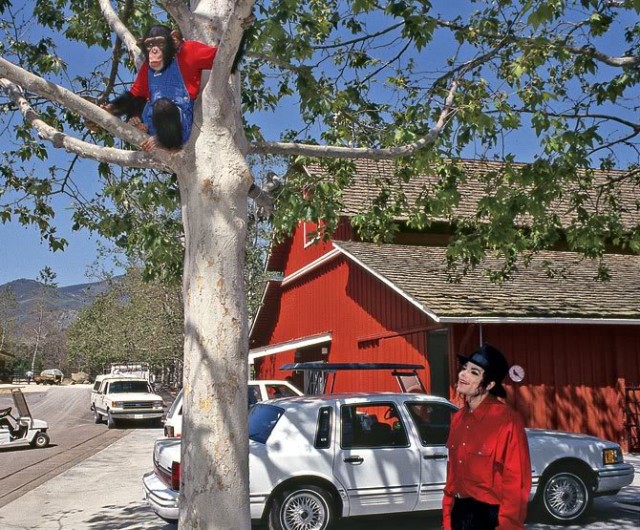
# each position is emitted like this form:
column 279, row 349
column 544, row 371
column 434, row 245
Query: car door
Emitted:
column 101, row 396
column 375, row 461
column 431, row 421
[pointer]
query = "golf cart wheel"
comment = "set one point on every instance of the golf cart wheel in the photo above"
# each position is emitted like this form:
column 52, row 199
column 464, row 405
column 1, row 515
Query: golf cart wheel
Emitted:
column 306, row 507
column 97, row 417
column 111, row 422
column 565, row 496
column 41, row 440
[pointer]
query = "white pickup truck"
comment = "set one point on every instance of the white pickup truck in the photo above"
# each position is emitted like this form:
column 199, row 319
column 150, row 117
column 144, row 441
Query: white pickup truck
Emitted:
column 122, row 397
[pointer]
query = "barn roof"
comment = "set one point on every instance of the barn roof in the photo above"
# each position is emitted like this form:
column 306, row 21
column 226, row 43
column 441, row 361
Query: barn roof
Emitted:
column 369, row 174
column 420, row 275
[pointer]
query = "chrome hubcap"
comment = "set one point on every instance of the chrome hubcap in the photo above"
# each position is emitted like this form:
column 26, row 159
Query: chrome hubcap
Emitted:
column 303, row 511
column 565, row 496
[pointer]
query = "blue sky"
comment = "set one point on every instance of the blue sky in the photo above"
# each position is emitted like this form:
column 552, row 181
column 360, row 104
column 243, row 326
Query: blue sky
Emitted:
column 25, row 255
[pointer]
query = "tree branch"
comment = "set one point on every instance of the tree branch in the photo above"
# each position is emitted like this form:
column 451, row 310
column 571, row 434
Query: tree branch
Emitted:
column 53, row 92
column 325, row 151
column 122, row 32
column 73, row 145
column 181, row 15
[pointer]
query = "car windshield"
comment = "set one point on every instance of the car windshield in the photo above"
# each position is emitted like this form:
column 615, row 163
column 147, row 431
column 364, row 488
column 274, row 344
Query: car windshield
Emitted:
column 129, row 386
column 262, row 420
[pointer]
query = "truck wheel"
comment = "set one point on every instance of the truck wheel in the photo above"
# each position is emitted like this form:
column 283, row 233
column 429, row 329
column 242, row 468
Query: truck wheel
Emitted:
column 41, row 440
column 111, row 422
column 97, row 417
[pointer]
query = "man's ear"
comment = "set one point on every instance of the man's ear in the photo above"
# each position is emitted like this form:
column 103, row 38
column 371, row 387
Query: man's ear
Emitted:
column 490, row 385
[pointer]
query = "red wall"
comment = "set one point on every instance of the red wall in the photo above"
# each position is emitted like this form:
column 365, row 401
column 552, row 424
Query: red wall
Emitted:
column 574, row 374
column 362, row 314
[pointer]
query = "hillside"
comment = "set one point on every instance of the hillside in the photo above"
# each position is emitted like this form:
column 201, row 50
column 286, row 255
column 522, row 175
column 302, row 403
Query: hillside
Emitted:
column 63, row 306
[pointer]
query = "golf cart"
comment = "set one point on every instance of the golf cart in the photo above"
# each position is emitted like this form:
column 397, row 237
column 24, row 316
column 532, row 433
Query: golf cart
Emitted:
column 20, row 428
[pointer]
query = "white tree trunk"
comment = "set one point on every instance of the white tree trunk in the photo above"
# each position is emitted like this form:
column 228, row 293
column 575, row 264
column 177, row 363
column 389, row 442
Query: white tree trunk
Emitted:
column 215, row 470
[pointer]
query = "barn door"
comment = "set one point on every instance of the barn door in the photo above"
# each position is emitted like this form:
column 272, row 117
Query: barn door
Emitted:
column 632, row 419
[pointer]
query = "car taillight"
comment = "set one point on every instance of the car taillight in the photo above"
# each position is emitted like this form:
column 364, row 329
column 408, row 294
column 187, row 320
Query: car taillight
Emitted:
column 175, row 476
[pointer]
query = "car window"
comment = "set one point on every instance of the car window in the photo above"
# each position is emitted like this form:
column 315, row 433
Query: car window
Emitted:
column 323, row 430
column 176, row 406
column 118, row 387
column 276, row 391
column 262, row 420
column 432, row 421
column 96, row 386
column 254, row 395
column 372, row 425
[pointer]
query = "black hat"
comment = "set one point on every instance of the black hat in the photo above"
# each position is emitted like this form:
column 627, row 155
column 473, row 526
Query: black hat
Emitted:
column 494, row 364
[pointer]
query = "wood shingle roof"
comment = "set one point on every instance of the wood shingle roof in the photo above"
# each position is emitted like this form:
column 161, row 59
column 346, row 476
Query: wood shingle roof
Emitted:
column 420, row 274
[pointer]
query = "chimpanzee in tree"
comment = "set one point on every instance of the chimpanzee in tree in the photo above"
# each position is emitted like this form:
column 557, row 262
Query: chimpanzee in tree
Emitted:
column 161, row 99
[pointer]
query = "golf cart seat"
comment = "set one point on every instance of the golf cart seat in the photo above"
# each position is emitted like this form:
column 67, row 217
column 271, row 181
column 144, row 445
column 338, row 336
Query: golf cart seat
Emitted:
column 5, row 414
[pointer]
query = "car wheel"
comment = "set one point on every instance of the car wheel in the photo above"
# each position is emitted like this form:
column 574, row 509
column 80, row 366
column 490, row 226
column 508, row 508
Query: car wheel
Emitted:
column 565, row 497
column 305, row 508
column 111, row 422
column 41, row 440
column 97, row 417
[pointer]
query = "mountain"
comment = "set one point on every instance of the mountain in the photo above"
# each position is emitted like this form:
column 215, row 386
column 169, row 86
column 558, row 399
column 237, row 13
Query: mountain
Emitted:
column 62, row 306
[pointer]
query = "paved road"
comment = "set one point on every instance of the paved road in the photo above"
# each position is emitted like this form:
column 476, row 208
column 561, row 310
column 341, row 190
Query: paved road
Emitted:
column 104, row 492
column 74, row 437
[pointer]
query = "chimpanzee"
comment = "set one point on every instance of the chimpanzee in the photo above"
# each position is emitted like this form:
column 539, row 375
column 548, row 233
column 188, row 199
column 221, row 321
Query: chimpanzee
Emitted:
column 166, row 87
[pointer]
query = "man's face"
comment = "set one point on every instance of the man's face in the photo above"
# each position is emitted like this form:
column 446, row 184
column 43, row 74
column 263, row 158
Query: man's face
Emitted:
column 470, row 380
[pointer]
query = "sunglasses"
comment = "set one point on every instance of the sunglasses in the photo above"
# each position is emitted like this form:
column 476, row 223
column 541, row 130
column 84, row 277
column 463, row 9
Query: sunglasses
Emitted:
column 153, row 42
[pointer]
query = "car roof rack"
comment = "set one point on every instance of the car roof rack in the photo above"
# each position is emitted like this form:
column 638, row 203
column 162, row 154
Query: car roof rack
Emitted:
column 320, row 373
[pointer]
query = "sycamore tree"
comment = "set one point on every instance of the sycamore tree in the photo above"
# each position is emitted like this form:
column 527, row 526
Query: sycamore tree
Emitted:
column 552, row 83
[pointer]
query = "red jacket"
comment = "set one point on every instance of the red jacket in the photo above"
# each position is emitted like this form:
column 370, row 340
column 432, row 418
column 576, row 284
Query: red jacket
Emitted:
column 193, row 57
column 489, row 461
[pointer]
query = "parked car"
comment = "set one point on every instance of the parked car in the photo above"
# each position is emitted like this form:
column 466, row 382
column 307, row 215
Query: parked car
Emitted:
column 315, row 459
column 52, row 376
column 258, row 391
column 121, row 397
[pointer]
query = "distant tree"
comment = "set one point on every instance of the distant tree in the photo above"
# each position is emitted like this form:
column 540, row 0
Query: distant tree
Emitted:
column 135, row 320
column 47, row 293
column 8, row 314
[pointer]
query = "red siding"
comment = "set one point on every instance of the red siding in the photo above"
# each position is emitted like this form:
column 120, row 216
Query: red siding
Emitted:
column 362, row 314
column 574, row 373
column 301, row 255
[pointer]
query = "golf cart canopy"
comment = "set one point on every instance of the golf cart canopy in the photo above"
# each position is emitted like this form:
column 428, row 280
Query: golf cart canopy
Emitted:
column 405, row 374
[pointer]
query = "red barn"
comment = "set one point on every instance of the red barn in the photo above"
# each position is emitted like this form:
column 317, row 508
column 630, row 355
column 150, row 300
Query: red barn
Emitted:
column 350, row 301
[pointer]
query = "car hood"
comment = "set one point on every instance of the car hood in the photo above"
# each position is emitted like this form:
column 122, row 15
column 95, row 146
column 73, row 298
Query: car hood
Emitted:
column 542, row 435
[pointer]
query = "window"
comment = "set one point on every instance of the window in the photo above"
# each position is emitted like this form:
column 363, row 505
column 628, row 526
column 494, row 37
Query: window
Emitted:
column 277, row 391
column 118, row 387
column 262, row 420
column 323, row 433
column 432, row 421
column 254, row 395
column 372, row 425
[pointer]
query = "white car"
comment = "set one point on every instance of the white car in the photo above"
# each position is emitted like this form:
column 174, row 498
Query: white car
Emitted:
column 258, row 391
column 121, row 397
column 315, row 459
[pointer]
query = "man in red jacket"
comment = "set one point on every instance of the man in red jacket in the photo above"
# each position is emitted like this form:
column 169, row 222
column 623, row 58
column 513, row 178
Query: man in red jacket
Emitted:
column 489, row 468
